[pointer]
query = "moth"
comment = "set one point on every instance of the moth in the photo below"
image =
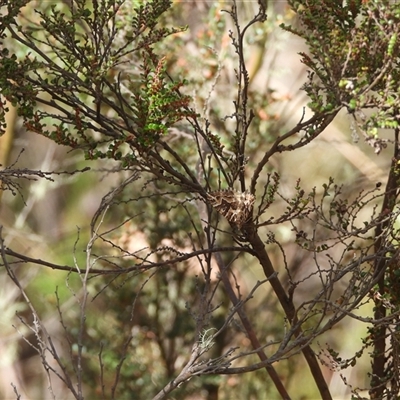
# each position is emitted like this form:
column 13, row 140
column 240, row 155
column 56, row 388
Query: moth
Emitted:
column 236, row 207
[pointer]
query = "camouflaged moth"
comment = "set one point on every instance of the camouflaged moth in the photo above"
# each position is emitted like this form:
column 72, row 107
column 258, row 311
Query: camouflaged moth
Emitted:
column 235, row 206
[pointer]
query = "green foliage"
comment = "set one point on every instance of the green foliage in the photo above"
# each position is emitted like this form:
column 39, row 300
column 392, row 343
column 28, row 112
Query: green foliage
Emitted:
column 352, row 64
column 72, row 73
column 158, row 104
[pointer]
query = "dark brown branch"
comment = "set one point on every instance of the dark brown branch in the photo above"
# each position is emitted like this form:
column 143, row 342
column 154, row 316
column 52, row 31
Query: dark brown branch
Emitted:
column 249, row 329
column 288, row 307
column 322, row 120
column 379, row 336
column 142, row 266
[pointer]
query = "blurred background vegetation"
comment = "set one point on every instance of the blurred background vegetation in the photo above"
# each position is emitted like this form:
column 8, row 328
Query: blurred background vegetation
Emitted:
column 50, row 220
